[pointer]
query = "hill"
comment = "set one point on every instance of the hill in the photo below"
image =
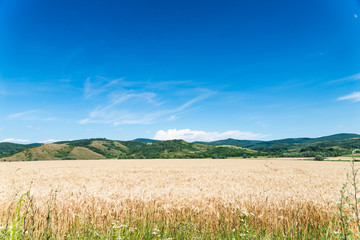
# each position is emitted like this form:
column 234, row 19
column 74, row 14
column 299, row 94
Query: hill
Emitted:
column 333, row 145
column 145, row 140
column 8, row 149
column 103, row 148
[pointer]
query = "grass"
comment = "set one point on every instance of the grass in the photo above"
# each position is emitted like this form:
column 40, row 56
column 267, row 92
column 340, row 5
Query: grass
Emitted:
column 174, row 199
column 26, row 220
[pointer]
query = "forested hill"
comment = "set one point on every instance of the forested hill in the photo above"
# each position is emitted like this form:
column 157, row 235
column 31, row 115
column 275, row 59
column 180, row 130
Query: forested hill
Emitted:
column 8, row 149
column 100, row 148
column 333, row 145
column 288, row 141
column 104, row 148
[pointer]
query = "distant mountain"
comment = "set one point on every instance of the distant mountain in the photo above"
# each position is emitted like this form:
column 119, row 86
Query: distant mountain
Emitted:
column 333, row 145
column 340, row 136
column 288, row 141
column 145, row 140
column 234, row 142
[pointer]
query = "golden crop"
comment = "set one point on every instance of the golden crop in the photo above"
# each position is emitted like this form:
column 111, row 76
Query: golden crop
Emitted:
column 275, row 192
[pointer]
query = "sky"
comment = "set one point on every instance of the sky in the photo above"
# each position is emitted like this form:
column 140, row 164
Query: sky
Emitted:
column 192, row 70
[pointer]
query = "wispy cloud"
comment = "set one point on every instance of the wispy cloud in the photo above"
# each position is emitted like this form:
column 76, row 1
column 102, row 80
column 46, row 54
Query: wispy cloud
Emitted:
column 116, row 99
column 35, row 128
column 191, row 135
column 30, row 115
column 168, row 113
column 13, row 140
column 204, row 94
column 120, row 103
column 94, row 87
column 50, row 141
column 22, row 114
column 352, row 78
column 353, row 97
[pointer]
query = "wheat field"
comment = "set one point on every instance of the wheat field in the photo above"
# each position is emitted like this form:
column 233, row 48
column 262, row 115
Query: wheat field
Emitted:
column 215, row 193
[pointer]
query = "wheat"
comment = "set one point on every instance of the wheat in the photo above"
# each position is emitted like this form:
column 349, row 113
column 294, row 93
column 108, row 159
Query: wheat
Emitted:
column 218, row 194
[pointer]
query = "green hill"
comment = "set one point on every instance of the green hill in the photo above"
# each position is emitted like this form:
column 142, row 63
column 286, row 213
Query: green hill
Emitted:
column 109, row 149
column 145, row 140
column 101, row 148
column 8, row 149
column 333, row 145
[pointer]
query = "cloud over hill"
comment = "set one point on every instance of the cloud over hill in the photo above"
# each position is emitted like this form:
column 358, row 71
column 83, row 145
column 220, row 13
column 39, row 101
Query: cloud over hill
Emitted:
column 191, row 135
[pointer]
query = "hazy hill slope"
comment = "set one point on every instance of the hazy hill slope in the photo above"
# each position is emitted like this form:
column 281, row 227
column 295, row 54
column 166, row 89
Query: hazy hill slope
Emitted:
column 145, row 140
column 286, row 143
column 7, row 148
column 234, row 142
column 340, row 136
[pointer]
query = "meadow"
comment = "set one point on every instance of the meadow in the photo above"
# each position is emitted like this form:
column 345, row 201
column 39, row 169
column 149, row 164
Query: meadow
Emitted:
column 171, row 199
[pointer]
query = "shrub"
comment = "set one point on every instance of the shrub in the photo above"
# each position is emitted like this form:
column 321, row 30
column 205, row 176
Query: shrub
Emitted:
column 319, row 158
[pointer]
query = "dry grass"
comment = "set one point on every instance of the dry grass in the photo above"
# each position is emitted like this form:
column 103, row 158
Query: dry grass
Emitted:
column 208, row 192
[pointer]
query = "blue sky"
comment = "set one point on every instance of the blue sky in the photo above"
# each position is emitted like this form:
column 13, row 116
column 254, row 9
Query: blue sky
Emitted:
column 196, row 70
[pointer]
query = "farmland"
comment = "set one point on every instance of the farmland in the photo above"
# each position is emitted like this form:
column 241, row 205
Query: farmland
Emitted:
column 205, row 198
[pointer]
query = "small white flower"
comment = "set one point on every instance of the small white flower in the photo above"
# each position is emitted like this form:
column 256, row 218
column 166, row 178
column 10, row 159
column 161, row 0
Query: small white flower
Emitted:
column 155, row 231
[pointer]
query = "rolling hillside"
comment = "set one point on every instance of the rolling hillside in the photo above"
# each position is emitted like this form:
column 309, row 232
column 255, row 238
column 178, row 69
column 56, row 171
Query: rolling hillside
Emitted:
column 8, row 149
column 333, row 145
column 110, row 149
column 100, row 148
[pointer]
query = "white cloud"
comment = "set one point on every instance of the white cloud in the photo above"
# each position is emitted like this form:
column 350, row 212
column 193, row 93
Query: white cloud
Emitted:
column 49, row 141
column 355, row 15
column 83, row 121
column 131, row 122
column 35, row 128
column 354, row 97
column 13, row 140
column 172, row 118
column 98, row 86
column 190, row 135
column 120, row 102
column 32, row 115
column 21, row 114
column 110, row 110
column 352, row 78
